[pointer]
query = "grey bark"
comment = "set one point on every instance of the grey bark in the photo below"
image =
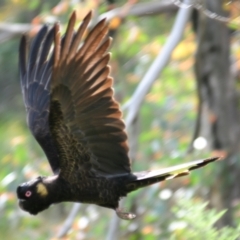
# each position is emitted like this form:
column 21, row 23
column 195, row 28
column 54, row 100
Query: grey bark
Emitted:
column 219, row 100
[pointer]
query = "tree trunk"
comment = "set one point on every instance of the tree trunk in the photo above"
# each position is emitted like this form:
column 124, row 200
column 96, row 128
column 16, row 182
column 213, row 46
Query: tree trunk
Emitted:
column 219, row 104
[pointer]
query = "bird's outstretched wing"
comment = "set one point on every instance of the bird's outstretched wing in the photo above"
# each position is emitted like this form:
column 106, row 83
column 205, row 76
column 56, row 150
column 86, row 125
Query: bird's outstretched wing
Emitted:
column 35, row 75
column 69, row 101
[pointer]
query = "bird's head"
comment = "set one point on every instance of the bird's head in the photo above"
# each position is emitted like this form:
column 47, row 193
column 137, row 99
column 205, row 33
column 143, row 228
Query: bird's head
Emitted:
column 33, row 196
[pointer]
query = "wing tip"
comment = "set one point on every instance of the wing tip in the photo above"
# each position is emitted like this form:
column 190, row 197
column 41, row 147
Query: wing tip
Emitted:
column 23, row 55
column 88, row 16
column 211, row 159
column 73, row 16
column 204, row 162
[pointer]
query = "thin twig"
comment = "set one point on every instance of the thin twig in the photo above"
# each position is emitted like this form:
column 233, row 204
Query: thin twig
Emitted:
column 199, row 6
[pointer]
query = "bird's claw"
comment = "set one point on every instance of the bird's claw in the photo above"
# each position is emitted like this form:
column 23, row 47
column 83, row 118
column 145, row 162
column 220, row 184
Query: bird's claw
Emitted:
column 125, row 215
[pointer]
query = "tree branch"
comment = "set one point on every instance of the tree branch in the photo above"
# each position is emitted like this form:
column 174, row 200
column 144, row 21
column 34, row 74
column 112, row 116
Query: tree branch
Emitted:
column 10, row 30
column 141, row 9
column 133, row 105
column 68, row 222
column 133, row 135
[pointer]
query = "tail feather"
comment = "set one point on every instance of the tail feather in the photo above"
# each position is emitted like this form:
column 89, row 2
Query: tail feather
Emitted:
column 146, row 178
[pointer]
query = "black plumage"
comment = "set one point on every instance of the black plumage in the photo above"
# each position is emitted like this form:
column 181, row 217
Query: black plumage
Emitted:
column 72, row 114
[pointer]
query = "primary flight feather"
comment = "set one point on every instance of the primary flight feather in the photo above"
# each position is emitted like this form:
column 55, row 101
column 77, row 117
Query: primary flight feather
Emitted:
column 72, row 114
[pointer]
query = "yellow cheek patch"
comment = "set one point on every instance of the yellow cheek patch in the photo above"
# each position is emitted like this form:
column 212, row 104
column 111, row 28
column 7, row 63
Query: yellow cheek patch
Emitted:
column 42, row 190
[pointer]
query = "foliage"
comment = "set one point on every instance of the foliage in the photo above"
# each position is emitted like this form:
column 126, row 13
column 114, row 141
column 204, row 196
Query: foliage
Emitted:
column 196, row 221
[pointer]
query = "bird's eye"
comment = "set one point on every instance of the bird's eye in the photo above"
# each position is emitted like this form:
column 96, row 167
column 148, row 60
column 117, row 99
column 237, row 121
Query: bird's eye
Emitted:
column 28, row 193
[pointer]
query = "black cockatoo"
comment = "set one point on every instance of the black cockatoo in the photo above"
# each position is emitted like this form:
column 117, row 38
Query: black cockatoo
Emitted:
column 72, row 114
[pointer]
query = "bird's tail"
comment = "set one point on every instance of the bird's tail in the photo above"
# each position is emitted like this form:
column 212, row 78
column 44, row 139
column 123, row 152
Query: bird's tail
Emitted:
column 146, row 178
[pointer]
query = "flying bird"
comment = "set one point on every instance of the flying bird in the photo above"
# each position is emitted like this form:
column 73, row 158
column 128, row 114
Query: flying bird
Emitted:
column 71, row 112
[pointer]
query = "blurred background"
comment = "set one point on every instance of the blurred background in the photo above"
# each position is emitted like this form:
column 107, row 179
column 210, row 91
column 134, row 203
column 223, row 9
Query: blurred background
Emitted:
column 189, row 111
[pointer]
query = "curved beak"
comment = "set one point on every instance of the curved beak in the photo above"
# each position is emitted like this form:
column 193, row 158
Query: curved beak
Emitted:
column 20, row 203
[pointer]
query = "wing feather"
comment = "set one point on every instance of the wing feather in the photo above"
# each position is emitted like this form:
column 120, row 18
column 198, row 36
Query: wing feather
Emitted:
column 23, row 61
column 35, row 72
column 79, row 34
column 90, row 115
column 93, row 39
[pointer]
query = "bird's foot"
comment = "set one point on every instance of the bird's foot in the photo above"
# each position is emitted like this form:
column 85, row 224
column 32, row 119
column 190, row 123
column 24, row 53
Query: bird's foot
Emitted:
column 125, row 215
